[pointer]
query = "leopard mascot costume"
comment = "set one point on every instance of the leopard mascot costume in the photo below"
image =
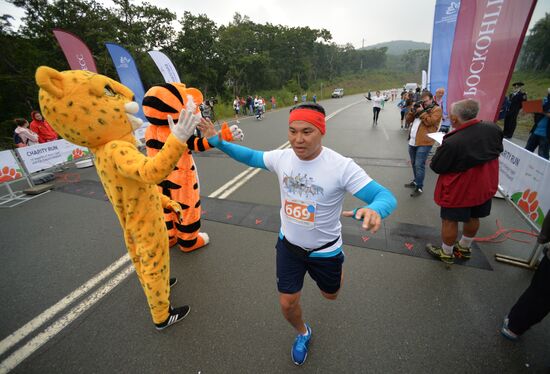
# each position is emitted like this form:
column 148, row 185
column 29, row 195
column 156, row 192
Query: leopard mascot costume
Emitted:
column 95, row 111
column 182, row 185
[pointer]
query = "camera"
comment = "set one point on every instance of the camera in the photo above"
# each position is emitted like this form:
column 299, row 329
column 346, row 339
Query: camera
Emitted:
column 417, row 105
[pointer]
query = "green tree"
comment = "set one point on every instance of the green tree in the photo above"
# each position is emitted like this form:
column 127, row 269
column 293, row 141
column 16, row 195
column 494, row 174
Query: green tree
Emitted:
column 536, row 50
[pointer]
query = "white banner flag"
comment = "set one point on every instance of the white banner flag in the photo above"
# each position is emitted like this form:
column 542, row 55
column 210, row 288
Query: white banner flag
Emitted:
column 525, row 178
column 9, row 168
column 165, row 66
column 46, row 155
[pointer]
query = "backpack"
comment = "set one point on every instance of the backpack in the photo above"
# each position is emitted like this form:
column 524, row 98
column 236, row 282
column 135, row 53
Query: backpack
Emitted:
column 17, row 139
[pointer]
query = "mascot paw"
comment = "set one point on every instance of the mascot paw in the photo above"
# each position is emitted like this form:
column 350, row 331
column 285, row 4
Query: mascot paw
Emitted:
column 202, row 240
column 237, row 133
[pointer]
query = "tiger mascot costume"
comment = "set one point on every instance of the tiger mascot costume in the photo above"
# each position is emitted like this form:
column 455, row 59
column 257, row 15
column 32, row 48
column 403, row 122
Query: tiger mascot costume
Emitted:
column 182, row 185
column 97, row 112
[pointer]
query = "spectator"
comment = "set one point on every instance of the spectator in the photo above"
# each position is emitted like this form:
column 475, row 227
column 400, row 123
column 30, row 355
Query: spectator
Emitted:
column 534, row 304
column 242, row 103
column 438, row 98
column 39, row 126
column 250, row 104
column 402, row 105
column 540, row 132
column 304, row 98
column 425, row 117
column 236, row 108
column 295, row 99
column 417, row 95
column 467, row 164
column 273, row 103
column 314, row 99
column 23, row 136
column 516, row 100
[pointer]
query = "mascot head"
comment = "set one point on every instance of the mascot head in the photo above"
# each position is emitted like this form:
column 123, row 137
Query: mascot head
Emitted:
column 168, row 99
column 86, row 108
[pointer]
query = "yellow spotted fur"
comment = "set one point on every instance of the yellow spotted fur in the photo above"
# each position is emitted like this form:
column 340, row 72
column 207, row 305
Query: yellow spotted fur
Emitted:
column 88, row 109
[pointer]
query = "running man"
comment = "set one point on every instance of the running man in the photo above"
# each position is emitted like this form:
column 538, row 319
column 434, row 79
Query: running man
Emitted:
column 313, row 181
column 377, row 104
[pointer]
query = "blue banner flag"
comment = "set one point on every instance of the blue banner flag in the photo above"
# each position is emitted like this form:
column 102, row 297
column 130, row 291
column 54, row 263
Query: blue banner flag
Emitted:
column 446, row 13
column 128, row 73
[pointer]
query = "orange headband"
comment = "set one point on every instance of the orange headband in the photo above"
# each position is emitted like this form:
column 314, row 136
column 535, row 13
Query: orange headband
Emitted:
column 311, row 116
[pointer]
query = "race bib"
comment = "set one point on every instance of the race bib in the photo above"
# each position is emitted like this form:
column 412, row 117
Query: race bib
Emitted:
column 301, row 212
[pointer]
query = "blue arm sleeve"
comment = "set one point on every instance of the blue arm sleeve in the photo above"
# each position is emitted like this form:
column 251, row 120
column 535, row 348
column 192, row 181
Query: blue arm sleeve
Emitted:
column 247, row 156
column 378, row 198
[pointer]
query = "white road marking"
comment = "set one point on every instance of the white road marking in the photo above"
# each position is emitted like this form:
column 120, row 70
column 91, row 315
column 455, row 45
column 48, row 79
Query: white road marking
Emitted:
column 39, row 340
column 38, row 321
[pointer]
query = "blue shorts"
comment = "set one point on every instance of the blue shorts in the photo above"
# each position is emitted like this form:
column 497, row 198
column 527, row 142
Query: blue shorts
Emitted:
column 291, row 270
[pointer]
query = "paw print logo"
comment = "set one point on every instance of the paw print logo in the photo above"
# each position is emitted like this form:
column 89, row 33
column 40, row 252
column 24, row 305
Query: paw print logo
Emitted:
column 77, row 153
column 529, row 204
column 9, row 174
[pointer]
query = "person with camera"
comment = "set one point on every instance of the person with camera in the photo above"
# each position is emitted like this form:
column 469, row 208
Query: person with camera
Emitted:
column 425, row 117
column 467, row 164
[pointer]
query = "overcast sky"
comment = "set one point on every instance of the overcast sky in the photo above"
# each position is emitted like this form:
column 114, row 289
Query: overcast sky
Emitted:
column 349, row 21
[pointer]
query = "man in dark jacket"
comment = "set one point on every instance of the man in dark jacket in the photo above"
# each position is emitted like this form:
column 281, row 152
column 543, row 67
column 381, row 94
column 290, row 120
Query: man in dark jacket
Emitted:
column 467, row 164
column 516, row 99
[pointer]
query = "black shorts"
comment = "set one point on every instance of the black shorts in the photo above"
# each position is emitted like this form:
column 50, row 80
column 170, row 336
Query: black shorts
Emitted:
column 402, row 116
column 291, row 270
column 464, row 214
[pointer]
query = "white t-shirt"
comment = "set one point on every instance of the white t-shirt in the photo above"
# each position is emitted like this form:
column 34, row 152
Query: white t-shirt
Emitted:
column 377, row 101
column 312, row 193
column 414, row 130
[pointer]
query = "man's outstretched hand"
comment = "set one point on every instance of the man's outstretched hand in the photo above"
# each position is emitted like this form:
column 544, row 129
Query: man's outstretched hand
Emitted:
column 371, row 219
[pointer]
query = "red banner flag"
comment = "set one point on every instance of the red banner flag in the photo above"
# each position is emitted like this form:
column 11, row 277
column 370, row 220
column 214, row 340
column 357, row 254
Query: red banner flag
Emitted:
column 488, row 38
column 76, row 52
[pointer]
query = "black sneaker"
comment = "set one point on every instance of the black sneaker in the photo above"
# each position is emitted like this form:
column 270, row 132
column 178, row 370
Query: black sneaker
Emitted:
column 173, row 282
column 411, row 185
column 174, row 317
column 417, row 192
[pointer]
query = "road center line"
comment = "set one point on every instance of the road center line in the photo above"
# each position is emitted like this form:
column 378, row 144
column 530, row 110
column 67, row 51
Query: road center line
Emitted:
column 45, row 316
column 39, row 340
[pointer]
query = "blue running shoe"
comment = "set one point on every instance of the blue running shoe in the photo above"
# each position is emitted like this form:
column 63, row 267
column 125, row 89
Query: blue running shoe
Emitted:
column 299, row 348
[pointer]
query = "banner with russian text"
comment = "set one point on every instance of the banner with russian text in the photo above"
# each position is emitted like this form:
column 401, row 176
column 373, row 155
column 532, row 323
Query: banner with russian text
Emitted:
column 487, row 41
column 128, row 73
column 78, row 55
column 47, row 155
column 9, row 168
column 525, row 176
column 446, row 12
column 165, row 66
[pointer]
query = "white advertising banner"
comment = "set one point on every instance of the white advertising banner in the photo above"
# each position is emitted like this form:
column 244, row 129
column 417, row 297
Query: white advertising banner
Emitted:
column 46, row 155
column 167, row 69
column 525, row 178
column 9, row 168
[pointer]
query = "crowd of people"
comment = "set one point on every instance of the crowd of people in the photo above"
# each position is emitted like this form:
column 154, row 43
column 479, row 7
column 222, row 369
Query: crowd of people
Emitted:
column 38, row 131
column 255, row 106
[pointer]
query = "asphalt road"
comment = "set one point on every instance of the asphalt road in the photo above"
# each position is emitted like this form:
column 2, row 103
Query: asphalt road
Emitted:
column 397, row 314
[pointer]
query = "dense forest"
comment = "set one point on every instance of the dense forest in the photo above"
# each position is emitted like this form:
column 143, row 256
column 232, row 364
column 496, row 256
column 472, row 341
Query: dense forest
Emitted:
column 238, row 58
